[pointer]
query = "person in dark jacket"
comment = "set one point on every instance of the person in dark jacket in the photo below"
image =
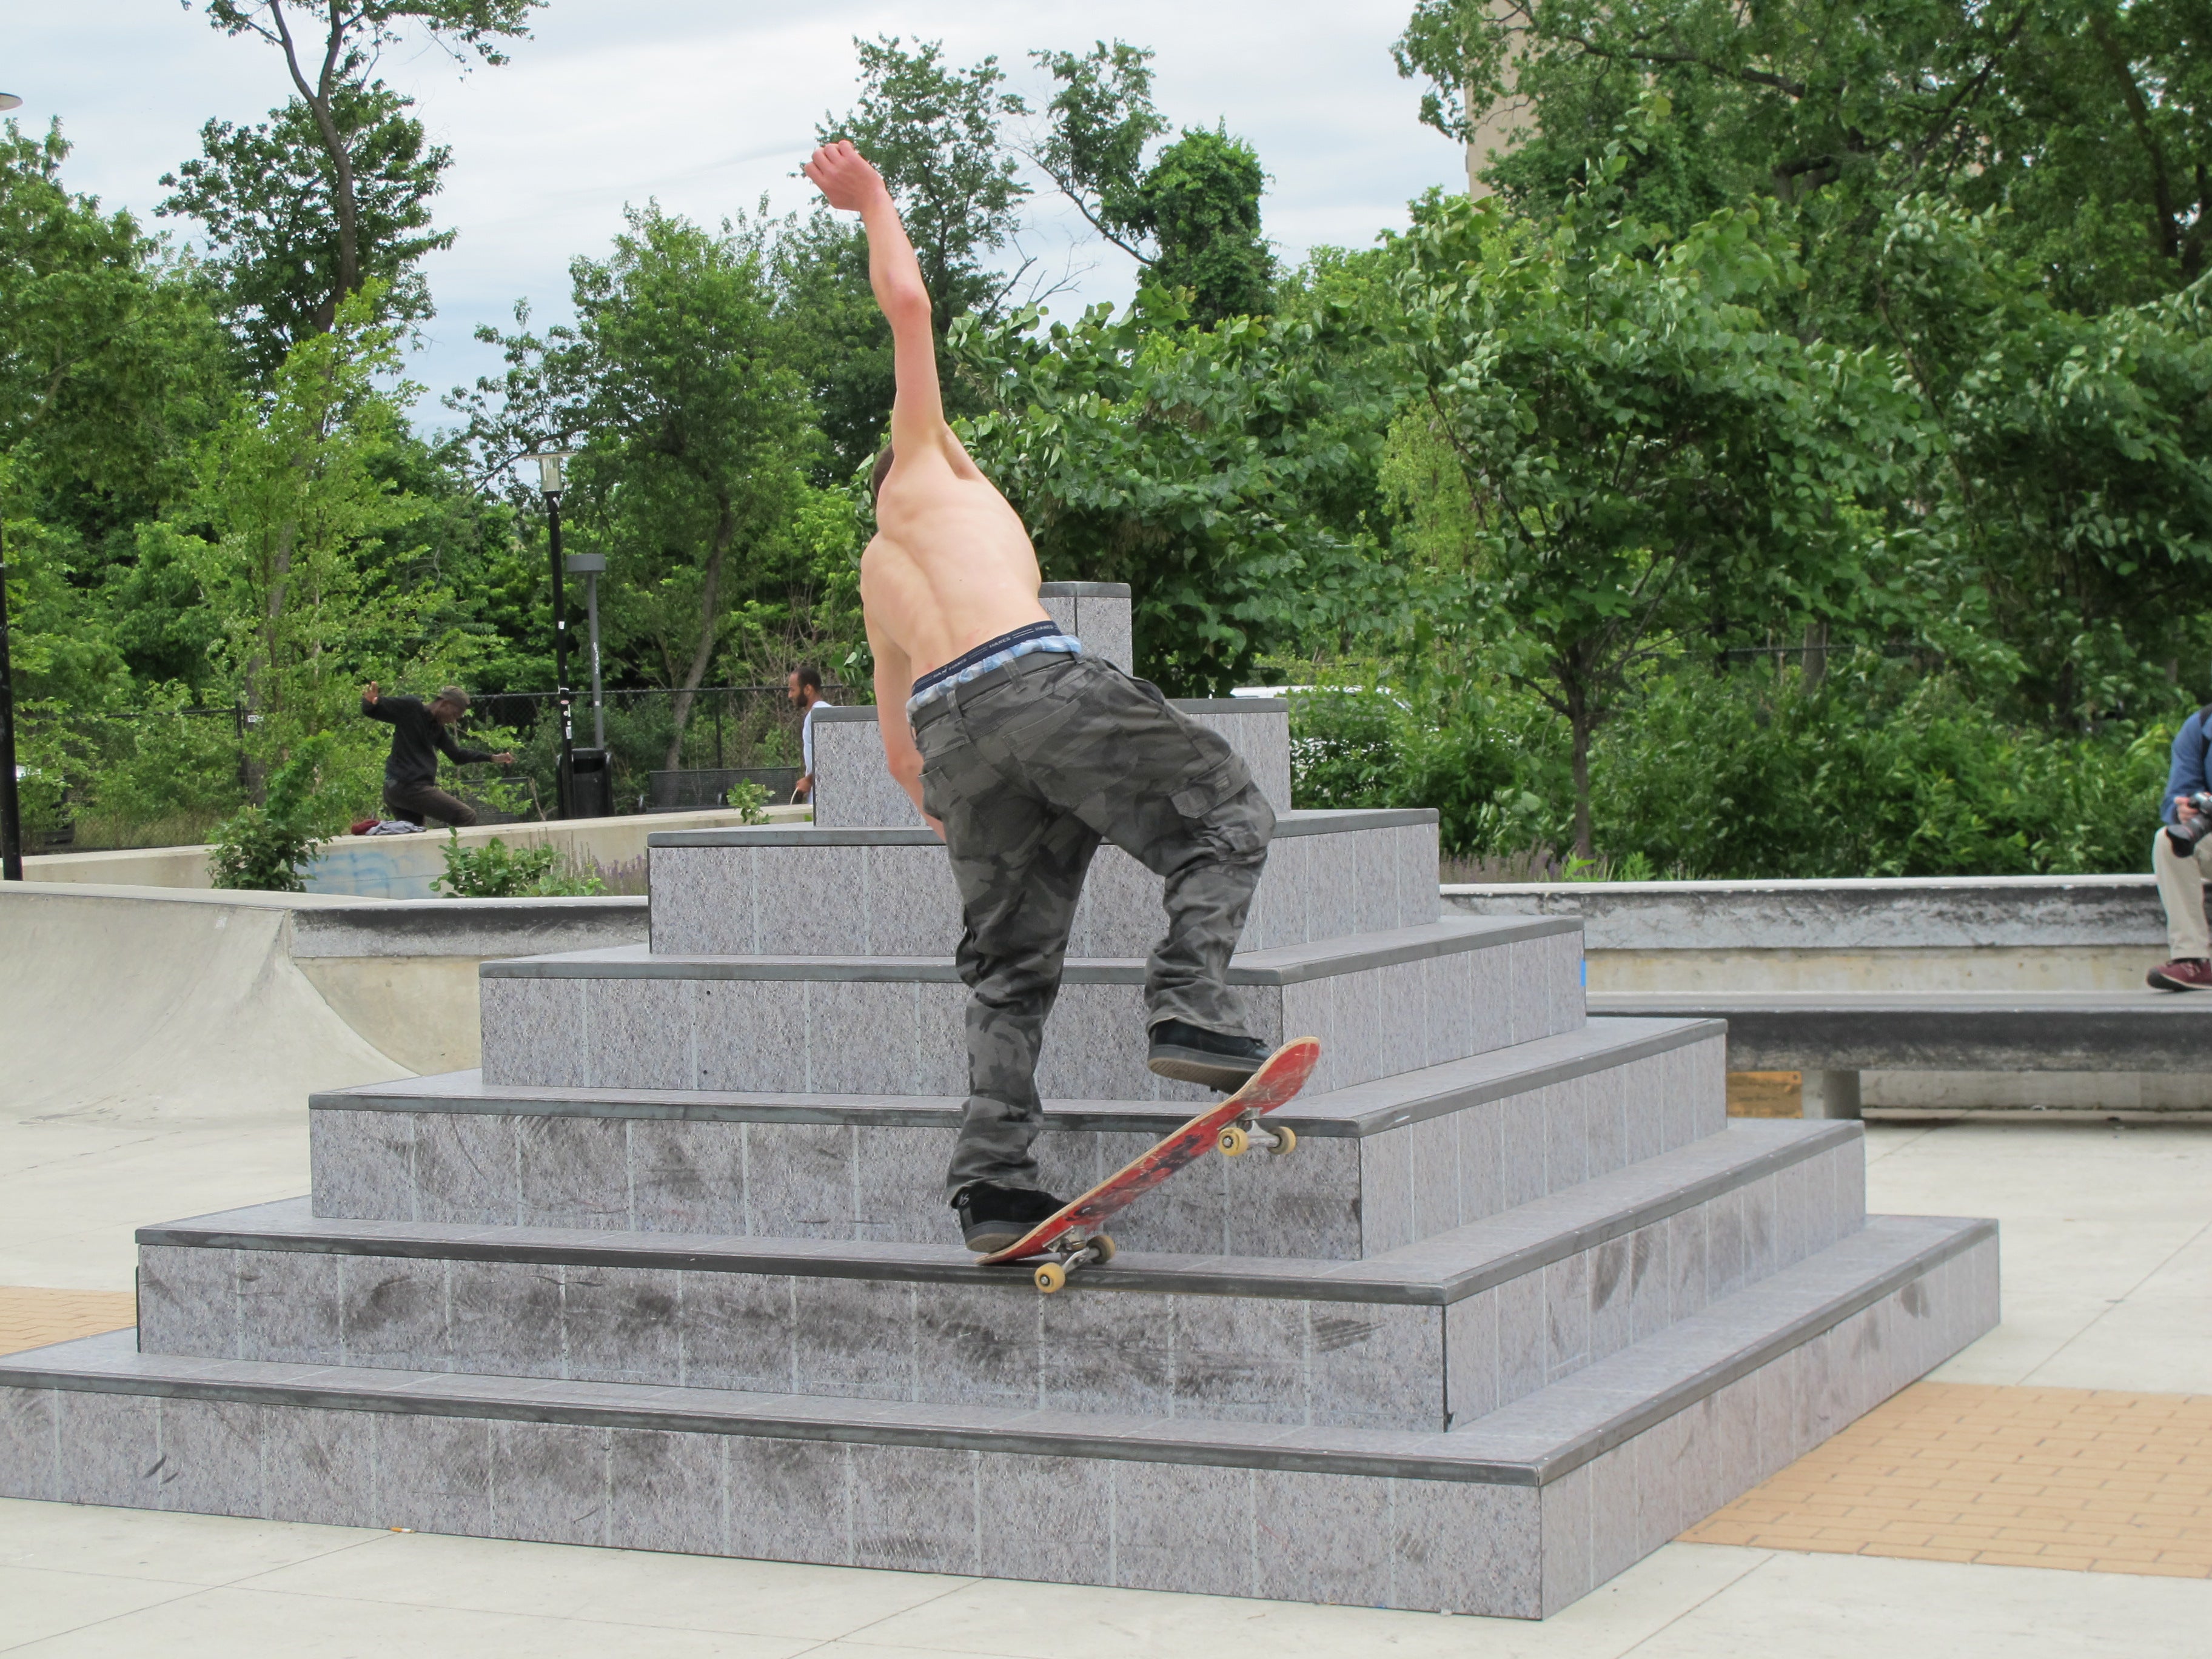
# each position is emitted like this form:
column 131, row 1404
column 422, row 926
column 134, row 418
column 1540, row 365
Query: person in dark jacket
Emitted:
column 419, row 731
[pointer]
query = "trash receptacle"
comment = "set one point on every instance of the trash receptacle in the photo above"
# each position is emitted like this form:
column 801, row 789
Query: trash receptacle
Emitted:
column 591, row 783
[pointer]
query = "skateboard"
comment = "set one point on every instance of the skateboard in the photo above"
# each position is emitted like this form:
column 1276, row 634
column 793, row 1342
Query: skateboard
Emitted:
column 1066, row 1237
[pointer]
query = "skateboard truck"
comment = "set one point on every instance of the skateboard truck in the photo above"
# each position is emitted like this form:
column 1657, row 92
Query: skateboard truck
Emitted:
column 1069, row 1253
column 1239, row 1137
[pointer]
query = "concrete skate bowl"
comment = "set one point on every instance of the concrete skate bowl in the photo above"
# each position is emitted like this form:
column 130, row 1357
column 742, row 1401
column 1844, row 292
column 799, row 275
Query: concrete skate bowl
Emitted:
column 140, row 1003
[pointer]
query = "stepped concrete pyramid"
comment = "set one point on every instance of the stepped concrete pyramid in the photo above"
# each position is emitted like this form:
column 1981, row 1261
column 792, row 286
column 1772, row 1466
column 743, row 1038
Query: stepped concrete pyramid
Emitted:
column 673, row 1271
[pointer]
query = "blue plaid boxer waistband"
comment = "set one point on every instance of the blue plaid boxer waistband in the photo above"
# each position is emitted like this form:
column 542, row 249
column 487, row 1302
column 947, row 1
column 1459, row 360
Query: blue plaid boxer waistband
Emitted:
column 992, row 653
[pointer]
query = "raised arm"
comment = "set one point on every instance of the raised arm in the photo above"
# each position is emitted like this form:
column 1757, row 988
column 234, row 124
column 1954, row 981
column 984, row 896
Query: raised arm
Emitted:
column 846, row 178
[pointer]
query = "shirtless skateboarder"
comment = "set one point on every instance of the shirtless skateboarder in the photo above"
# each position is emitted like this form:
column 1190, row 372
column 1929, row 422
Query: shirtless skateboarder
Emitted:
column 1023, row 752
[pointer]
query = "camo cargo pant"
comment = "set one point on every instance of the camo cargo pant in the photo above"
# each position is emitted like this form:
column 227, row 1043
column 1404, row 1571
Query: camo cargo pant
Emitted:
column 1028, row 768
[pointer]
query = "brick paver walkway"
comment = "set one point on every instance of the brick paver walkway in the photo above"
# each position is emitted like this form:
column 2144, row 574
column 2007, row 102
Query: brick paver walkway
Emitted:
column 2090, row 1479
column 33, row 1318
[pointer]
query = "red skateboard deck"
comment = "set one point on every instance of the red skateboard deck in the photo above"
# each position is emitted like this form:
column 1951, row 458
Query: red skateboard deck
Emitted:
column 1070, row 1233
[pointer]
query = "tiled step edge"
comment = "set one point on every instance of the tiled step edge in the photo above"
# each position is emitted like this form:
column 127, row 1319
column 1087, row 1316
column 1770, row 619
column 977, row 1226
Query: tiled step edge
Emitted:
column 1491, row 1313
column 1361, row 1109
column 1306, row 821
column 1492, row 1519
column 1284, row 965
column 1483, row 1136
column 808, row 890
column 1436, row 1273
column 1382, row 1003
column 1533, row 1443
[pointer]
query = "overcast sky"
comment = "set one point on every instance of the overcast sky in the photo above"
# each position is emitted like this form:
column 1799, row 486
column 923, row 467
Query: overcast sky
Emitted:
column 707, row 104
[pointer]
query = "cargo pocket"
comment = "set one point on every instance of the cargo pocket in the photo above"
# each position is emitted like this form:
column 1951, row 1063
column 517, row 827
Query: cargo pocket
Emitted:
column 1229, row 812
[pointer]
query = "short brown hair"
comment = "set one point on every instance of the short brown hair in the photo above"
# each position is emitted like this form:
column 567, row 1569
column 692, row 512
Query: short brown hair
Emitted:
column 883, row 470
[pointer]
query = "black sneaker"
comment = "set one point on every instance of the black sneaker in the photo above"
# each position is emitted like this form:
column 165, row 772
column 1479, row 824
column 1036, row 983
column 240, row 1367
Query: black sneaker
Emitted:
column 1191, row 1053
column 992, row 1217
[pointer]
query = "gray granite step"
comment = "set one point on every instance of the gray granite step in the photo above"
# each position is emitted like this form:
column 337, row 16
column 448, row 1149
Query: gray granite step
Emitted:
column 801, row 891
column 1518, row 1513
column 1381, row 1003
column 1380, row 1165
column 853, row 790
column 1417, row 1339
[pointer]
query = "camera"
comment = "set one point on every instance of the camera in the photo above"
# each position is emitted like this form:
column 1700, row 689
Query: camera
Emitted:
column 2183, row 837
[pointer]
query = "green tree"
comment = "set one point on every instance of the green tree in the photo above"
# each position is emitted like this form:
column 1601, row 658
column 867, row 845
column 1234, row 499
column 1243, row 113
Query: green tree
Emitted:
column 268, row 195
column 934, row 134
column 838, row 341
column 1641, row 442
column 2091, row 121
column 2072, row 472
column 292, row 498
column 330, row 60
column 1191, row 218
column 1223, row 473
column 110, row 369
column 677, row 383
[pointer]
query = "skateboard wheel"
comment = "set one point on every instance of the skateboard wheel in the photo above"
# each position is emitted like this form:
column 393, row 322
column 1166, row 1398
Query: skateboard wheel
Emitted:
column 1050, row 1277
column 1234, row 1141
column 1101, row 1249
column 1286, row 1141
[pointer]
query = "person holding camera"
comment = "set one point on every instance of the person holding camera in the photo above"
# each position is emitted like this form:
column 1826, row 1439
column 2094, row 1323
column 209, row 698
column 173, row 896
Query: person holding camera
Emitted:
column 2181, row 855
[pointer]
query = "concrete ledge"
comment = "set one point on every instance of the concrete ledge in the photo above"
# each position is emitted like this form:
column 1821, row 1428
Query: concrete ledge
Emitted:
column 1289, row 964
column 1438, row 1271
column 1083, row 591
column 857, row 714
column 476, row 928
column 2087, row 1031
column 1976, row 912
column 1540, row 1439
column 1304, row 822
column 1367, row 1108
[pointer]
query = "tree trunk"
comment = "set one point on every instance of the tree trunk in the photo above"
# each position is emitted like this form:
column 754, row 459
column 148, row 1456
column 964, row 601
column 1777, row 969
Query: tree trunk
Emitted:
column 687, row 692
column 317, row 97
column 1816, row 655
column 1579, row 722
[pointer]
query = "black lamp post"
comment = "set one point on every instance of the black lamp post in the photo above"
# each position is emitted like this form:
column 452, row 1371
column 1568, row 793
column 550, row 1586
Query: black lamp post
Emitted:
column 11, row 816
column 549, row 484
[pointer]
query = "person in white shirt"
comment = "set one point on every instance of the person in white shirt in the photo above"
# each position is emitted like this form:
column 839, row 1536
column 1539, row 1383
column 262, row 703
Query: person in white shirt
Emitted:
column 804, row 685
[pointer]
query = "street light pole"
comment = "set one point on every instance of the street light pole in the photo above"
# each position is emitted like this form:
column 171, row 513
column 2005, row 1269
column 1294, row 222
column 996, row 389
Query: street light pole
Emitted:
column 549, row 484
column 11, row 814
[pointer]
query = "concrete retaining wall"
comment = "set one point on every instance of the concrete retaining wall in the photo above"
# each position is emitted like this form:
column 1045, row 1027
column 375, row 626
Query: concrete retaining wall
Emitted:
column 1981, row 934
column 393, row 866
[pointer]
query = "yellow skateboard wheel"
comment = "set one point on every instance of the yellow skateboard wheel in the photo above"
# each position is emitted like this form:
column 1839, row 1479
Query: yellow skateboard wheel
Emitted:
column 1234, row 1141
column 1286, row 1141
column 1050, row 1277
column 1102, row 1248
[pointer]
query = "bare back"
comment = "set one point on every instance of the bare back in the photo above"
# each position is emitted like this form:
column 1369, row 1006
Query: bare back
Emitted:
column 951, row 566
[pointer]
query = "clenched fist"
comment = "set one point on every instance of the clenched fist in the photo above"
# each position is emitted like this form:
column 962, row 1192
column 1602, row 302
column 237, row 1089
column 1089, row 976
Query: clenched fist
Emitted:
column 845, row 176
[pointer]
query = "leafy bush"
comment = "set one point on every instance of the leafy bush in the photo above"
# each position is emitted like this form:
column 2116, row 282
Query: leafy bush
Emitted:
column 750, row 799
column 1884, row 769
column 262, row 848
column 1886, row 772
column 495, row 869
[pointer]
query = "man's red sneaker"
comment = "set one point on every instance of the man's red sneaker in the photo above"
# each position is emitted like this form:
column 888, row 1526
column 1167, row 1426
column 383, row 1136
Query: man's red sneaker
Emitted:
column 2182, row 973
